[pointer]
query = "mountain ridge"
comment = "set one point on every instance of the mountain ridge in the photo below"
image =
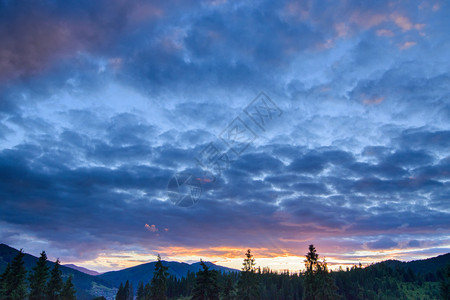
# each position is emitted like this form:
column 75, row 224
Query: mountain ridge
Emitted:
column 87, row 286
column 106, row 284
column 83, row 270
column 144, row 272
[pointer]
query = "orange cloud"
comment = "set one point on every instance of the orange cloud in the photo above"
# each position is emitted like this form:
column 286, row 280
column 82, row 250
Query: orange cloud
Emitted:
column 223, row 251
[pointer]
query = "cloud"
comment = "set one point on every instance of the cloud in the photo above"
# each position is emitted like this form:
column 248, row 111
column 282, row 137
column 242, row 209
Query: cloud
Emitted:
column 382, row 243
column 96, row 118
column 151, row 228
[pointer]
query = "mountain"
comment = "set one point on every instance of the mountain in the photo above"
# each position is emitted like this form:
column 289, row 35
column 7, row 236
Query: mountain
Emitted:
column 87, row 286
column 81, row 269
column 106, row 284
column 144, row 272
column 423, row 266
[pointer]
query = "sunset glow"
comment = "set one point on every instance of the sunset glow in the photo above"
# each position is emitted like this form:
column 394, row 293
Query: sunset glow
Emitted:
column 200, row 129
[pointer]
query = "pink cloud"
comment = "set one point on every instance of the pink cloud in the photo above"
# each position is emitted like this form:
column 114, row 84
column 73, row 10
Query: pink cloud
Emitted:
column 37, row 38
column 151, row 228
column 367, row 19
column 407, row 45
column 371, row 101
column 385, row 32
column 436, row 7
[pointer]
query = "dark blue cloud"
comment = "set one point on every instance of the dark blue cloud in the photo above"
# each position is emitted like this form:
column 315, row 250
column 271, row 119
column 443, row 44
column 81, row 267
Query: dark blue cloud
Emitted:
column 101, row 103
column 383, row 243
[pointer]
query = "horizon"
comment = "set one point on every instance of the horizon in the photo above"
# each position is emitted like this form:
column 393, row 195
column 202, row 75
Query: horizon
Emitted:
column 200, row 129
column 236, row 265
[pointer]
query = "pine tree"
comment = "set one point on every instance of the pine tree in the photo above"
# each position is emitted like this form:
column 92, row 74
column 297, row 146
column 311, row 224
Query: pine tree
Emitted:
column 311, row 263
column 38, row 278
column 126, row 290
column 228, row 292
column 158, row 284
column 55, row 284
column 121, row 293
column 247, row 285
column 140, row 291
column 14, row 279
column 147, row 292
column 445, row 284
column 130, row 292
column 3, row 277
column 68, row 291
column 206, row 286
column 319, row 285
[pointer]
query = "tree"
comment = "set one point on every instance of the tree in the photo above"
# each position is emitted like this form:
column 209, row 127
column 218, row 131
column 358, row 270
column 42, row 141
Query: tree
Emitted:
column 140, row 291
column 445, row 284
column 247, row 285
column 3, row 277
column 228, row 292
column 68, row 291
column 147, row 292
column 127, row 290
column 206, row 286
column 38, row 278
column 311, row 265
column 13, row 279
column 158, row 284
column 319, row 285
column 55, row 284
column 130, row 294
column 121, row 295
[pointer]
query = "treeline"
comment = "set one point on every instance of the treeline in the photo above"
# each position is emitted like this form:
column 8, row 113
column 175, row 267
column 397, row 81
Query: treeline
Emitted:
column 378, row 281
column 39, row 284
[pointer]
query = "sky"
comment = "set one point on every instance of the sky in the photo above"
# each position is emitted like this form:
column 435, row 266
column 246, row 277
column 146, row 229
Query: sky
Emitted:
column 281, row 123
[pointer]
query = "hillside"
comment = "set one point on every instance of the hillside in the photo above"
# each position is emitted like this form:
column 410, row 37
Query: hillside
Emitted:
column 144, row 272
column 86, row 285
column 83, row 270
column 390, row 279
column 106, row 284
column 423, row 266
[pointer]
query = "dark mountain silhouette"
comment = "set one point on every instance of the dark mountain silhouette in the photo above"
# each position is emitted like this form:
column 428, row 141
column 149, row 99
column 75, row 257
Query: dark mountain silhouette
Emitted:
column 81, row 269
column 87, row 286
column 144, row 272
column 423, row 266
column 106, row 284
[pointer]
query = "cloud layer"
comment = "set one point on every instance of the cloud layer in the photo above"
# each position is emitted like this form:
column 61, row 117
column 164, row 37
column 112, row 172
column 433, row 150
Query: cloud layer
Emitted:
column 102, row 103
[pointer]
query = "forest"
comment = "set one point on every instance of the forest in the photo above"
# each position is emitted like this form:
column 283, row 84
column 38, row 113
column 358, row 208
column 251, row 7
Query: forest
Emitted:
column 385, row 280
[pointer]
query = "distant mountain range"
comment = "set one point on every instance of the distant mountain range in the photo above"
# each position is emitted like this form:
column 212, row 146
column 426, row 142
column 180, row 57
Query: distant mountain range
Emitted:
column 424, row 266
column 90, row 283
column 86, row 285
column 81, row 269
column 144, row 272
